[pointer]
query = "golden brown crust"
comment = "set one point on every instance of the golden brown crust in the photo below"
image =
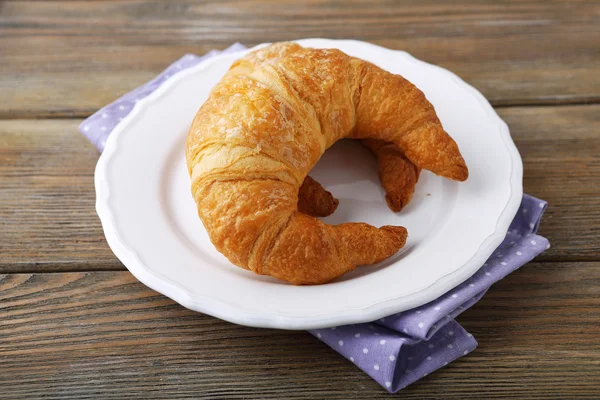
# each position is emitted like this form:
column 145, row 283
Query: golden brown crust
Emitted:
column 397, row 174
column 314, row 200
column 262, row 129
column 394, row 110
column 329, row 251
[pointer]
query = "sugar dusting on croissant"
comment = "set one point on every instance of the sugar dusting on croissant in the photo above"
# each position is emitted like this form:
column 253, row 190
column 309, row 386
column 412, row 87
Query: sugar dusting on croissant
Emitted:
column 267, row 123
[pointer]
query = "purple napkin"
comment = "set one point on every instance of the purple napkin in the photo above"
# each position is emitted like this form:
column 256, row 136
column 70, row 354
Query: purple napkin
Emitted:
column 402, row 348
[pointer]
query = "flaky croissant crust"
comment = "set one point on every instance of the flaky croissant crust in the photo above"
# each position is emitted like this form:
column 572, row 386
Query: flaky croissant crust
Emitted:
column 267, row 123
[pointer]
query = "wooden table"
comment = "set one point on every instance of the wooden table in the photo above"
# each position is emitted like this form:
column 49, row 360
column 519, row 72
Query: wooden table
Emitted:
column 75, row 324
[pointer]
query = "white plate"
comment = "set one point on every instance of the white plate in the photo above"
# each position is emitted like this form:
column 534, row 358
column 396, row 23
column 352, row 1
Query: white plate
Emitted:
column 150, row 222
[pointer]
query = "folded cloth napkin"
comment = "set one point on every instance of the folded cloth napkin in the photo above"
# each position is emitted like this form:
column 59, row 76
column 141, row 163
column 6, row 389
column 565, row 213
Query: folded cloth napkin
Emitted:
column 402, row 348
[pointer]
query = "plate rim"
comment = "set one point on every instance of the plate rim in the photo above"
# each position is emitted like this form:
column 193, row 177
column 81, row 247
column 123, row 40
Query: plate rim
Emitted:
column 221, row 309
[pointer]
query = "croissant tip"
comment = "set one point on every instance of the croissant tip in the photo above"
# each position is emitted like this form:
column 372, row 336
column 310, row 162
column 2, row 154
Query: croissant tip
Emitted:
column 459, row 172
column 399, row 231
column 394, row 202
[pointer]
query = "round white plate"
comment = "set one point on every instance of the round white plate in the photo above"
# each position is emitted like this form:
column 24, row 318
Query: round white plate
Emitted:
column 149, row 217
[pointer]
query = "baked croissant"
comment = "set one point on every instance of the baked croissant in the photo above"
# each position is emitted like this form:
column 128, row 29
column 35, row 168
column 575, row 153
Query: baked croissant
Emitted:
column 267, row 123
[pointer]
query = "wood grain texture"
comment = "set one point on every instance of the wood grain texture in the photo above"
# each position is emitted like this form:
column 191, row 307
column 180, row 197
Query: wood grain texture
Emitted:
column 102, row 334
column 560, row 148
column 47, row 195
column 69, row 58
column 47, row 189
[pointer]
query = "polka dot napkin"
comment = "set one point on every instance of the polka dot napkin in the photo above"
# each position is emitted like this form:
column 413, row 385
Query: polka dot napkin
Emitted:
column 402, row 348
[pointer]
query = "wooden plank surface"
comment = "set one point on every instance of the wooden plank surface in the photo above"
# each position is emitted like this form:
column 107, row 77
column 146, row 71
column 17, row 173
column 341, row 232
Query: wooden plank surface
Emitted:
column 74, row 324
column 69, row 58
column 84, row 335
column 49, row 221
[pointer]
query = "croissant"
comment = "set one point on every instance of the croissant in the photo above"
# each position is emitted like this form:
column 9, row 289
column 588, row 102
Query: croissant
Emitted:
column 267, row 123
